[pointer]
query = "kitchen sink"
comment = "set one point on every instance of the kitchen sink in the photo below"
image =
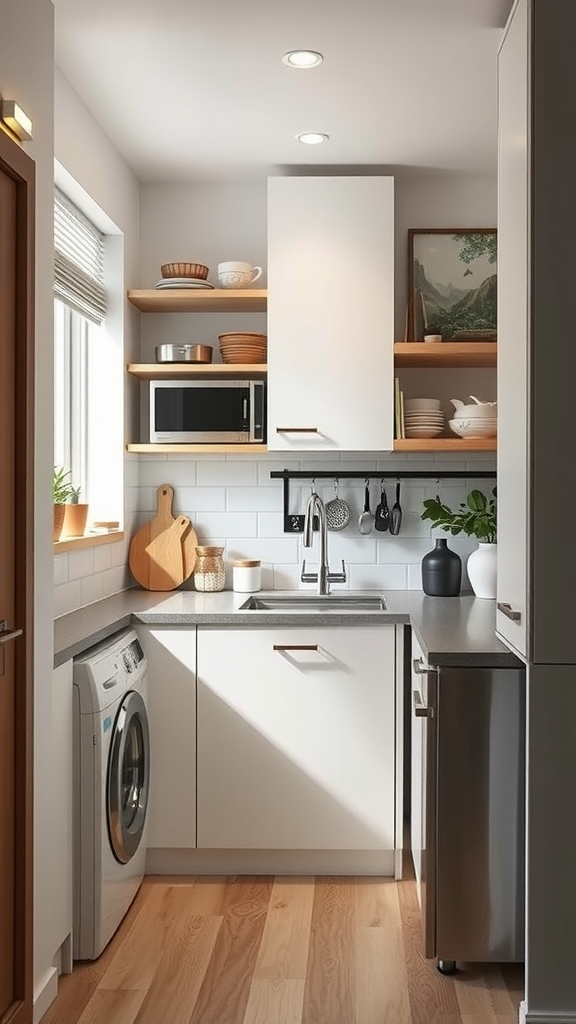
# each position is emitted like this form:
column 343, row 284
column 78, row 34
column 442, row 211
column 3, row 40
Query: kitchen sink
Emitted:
column 297, row 602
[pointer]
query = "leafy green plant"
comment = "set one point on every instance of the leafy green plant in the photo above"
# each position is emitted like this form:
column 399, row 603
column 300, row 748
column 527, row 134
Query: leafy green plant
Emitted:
column 63, row 490
column 476, row 517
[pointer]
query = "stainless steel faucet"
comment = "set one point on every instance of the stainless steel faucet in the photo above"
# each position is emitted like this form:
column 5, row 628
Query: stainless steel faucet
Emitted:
column 323, row 577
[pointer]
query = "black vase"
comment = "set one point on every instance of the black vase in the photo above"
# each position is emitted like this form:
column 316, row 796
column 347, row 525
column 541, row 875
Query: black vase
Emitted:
column 441, row 571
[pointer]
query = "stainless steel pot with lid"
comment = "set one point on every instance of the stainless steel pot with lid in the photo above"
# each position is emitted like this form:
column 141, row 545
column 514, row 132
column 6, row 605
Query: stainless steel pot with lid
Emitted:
column 184, row 353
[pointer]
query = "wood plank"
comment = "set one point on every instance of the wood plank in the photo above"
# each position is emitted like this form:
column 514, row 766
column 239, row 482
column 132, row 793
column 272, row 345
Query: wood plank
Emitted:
column 189, row 371
column 225, row 990
column 255, row 450
column 275, row 1001
column 329, row 991
column 381, row 988
column 119, row 1006
column 200, row 300
column 285, row 941
column 445, row 354
column 445, row 444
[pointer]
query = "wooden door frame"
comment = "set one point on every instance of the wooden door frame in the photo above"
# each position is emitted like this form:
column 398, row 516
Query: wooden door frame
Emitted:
column 18, row 166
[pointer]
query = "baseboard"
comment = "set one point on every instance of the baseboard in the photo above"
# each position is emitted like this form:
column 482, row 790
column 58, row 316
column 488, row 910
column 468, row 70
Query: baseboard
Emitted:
column 269, row 862
column 45, row 994
column 545, row 1016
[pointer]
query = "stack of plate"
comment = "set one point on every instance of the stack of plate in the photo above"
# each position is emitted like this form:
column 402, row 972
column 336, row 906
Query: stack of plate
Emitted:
column 182, row 282
column 243, row 347
column 423, row 417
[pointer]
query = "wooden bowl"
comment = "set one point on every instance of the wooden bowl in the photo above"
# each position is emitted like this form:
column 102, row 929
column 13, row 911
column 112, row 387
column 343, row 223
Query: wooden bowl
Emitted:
column 197, row 270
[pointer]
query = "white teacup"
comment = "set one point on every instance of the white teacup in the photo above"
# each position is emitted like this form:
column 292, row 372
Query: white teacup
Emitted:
column 237, row 274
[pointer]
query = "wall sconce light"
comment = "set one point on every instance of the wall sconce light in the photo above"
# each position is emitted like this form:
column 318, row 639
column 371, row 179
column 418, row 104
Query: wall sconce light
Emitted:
column 16, row 119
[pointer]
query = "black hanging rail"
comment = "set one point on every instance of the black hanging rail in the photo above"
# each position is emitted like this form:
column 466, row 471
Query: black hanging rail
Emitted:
column 294, row 522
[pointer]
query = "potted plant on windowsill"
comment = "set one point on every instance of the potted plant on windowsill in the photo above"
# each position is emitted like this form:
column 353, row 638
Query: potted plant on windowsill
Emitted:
column 475, row 517
column 69, row 515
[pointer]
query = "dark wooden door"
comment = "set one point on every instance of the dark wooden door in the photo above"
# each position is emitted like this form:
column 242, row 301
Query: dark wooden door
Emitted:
column 16, row 568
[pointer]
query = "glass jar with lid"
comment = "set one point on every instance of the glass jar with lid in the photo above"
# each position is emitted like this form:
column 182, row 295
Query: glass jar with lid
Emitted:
column 209, row 574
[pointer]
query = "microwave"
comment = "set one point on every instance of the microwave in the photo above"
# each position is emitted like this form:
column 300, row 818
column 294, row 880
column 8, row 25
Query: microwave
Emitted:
column 194, row 411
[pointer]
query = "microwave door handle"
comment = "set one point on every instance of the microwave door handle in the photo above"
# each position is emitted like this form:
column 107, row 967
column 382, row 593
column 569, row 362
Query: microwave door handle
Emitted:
column 251, row 426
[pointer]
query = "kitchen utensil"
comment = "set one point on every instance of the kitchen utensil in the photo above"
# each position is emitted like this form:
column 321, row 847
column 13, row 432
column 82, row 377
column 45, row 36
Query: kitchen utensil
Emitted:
column 478, row 427
column 142, row 563
column 366, row 520
column 486, row 410
column 337, row 511
column 396, row 513
column 382, row 513
column 183, row 353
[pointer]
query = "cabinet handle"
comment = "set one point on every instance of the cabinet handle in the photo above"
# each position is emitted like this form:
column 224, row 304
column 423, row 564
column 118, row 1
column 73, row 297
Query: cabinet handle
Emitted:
column 421, row 710
column 509, row 611
column 296, row 430
column 295, row 647
column 8, row 634
column 421, row 669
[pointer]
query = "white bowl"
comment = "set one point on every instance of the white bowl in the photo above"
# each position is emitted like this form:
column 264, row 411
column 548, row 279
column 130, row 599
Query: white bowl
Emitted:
column 478, row 427
column 422, row 404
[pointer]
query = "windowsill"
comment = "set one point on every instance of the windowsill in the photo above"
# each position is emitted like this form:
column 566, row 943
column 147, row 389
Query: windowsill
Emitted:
column 89, row 540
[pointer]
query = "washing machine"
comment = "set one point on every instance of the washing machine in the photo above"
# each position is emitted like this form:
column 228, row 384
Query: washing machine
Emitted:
column 111, row 760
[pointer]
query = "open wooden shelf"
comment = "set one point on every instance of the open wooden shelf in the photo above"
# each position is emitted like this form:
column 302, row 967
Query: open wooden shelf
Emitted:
column 178, row 371
column 199, row 300
column 446, row 444
column 445, row 354
column 197, row 449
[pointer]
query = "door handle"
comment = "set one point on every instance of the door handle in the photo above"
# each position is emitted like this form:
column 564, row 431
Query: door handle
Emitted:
column 421, row 669
column 296, row 430
column 295, row 647
column 8, row 634
column 421, row 710
column 509, row 611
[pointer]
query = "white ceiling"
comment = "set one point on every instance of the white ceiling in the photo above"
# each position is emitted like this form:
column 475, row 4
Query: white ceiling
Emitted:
column 192, row 90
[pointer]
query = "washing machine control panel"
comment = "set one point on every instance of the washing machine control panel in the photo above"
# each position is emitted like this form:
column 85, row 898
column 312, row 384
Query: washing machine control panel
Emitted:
column 132, row 656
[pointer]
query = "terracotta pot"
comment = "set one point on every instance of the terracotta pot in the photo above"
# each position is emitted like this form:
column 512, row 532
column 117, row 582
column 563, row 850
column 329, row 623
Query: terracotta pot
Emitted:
column 59, row 511
column 75, row 517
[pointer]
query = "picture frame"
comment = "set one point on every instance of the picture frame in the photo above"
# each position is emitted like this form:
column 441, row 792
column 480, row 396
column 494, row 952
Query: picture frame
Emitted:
column 452, row 284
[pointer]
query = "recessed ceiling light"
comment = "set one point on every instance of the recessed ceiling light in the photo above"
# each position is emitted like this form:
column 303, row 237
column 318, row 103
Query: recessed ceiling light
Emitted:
column 312, row 138
column 302, row 58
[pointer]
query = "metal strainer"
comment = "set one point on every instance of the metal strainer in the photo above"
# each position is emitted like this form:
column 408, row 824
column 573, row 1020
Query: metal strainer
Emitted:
column 337, row 511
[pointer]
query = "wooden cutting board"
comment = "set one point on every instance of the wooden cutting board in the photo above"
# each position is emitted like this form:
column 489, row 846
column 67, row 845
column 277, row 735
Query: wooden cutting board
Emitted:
column 172, row 556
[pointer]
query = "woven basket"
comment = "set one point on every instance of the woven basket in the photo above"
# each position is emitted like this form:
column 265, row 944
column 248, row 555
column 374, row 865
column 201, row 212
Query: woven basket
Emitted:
column 197, row 270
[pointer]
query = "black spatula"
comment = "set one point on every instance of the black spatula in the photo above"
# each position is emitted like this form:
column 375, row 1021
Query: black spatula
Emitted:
column 396, row 514
column 382, row 513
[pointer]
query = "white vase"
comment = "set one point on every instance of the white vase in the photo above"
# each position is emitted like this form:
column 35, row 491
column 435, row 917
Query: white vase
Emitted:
column 481, row 568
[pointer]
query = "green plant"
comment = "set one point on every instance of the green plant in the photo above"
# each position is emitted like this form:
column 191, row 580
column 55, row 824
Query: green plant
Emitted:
column 63, row 490
column 476, row 517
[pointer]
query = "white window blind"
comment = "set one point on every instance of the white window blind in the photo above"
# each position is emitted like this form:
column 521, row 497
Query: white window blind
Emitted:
column 78, row 261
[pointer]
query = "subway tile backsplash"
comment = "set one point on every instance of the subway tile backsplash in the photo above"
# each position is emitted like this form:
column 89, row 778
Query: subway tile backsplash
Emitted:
column 232, row 501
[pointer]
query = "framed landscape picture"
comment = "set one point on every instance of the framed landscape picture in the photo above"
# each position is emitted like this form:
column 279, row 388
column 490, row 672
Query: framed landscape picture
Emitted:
column 452, row 283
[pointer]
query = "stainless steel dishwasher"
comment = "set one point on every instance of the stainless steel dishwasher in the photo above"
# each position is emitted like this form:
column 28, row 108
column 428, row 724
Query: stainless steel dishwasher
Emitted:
column 467, row 811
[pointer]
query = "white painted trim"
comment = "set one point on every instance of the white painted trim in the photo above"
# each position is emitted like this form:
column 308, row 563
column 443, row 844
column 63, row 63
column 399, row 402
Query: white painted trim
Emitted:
column 545, row 1016
column 399, row 752
column 46, row 994
column 269, row 862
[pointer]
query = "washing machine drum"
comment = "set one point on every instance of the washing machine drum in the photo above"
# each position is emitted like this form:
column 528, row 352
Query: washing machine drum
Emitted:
column 128, row 777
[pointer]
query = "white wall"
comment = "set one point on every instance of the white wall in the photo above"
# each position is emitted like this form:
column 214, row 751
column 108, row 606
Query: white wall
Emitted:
column 26, row 75
column 87, row 575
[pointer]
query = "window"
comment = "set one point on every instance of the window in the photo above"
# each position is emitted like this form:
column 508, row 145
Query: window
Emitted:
column 88, row 365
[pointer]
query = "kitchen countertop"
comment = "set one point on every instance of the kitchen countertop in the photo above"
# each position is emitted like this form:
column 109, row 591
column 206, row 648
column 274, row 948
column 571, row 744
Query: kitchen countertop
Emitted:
column 457, row 631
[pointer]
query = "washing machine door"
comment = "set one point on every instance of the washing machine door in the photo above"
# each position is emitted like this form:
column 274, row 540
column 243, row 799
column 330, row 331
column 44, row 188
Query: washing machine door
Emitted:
column 128, row 777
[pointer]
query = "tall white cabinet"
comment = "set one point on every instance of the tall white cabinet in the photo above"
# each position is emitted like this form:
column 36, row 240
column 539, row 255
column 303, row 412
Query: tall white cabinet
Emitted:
column 330, row 313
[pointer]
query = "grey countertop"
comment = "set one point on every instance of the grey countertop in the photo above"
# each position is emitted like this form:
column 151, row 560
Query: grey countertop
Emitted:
column 458, row 631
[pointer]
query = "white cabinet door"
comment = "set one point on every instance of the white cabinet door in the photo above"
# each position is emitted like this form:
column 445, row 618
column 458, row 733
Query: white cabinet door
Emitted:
column 330, row 313
column 296, row 738
column 513, row 327
column 171, row 655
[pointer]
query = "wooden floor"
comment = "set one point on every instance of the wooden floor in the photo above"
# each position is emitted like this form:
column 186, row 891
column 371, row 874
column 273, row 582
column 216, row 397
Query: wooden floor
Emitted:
column 271, row 950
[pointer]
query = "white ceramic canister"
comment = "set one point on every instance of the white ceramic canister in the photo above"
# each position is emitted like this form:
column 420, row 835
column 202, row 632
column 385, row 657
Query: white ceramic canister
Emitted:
column 246, row 575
